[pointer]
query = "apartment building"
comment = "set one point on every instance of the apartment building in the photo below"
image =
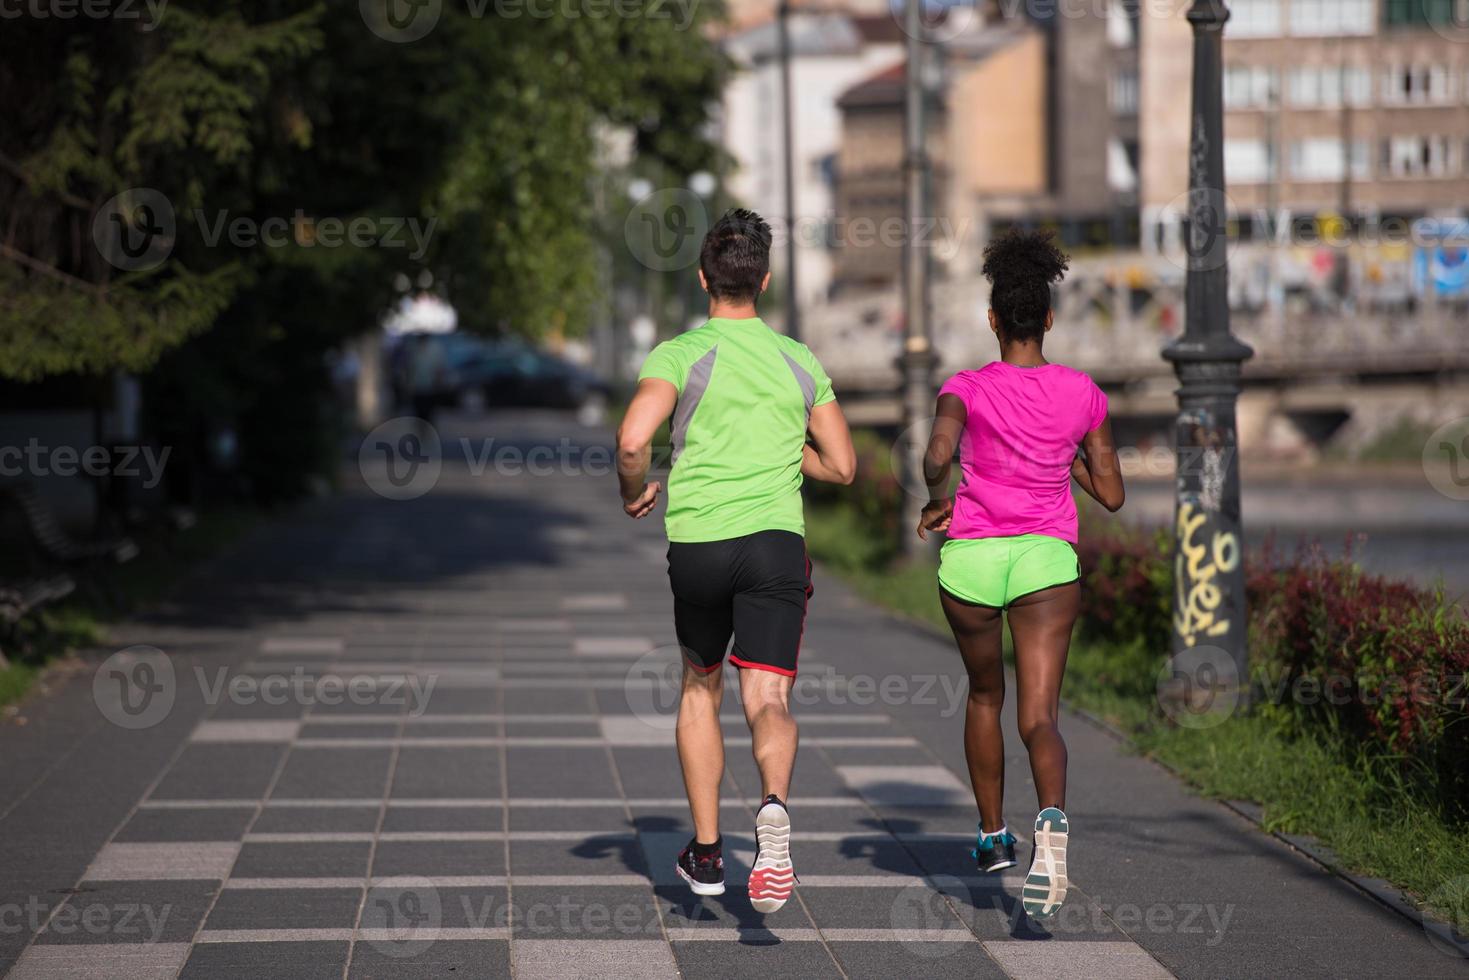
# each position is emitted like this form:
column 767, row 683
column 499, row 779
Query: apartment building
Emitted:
column 1351, row 108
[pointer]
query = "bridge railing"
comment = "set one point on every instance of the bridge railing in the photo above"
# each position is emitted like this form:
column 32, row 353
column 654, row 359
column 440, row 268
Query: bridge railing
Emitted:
column 1304, row 313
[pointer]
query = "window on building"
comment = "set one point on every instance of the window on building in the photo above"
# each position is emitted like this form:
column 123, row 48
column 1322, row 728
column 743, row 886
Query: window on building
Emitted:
column 1424, row 13
column 1254, row 18
column 1331, row 18
column 1122, row 23
column 1121, row 166
column 1418, row 85
column 1123, row 92
column 1417, row 156
column 1249, row 87
column 1329, row 87
column 1324, row 159
column 1248, row 161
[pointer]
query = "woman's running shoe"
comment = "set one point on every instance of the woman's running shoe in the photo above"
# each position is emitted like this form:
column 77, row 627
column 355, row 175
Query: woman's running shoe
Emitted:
column 1045, row 885
column 773, row 877
column 703, row 872
column 994, row 852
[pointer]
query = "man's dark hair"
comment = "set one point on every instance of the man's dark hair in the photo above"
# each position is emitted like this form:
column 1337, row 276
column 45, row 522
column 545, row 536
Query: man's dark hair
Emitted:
column 1021, row 266
column 735, row 256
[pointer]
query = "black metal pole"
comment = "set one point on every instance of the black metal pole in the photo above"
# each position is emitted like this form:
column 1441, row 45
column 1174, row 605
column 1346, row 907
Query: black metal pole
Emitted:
column 793, row 305
column 1209, row 594
column 917, row 360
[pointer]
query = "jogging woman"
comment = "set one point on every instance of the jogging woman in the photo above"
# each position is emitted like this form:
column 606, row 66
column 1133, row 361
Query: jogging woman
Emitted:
column 1018, row 423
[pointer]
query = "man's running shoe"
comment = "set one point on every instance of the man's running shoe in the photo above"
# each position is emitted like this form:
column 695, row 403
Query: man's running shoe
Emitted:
column 995, row 852
column 773, row 877
column 703, row 872
column 1045, row 885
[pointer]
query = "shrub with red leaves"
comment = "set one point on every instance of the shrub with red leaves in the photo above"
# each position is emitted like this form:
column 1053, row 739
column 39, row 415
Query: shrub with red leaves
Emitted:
column 1383, row 662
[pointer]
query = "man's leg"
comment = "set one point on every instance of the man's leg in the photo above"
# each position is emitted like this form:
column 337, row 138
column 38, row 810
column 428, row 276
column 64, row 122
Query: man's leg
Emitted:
column 701, row 747
column 766, row 696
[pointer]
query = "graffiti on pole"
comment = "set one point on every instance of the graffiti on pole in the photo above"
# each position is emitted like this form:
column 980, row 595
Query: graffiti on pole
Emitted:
column 1201, row 560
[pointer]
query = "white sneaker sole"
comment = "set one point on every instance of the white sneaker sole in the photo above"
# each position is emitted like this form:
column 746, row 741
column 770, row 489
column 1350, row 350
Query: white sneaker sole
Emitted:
column 1045, row 885
column 774, row 877
column 699, row 887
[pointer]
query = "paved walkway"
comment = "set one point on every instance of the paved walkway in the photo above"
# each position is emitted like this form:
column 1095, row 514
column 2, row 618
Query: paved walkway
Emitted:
column 433, row 737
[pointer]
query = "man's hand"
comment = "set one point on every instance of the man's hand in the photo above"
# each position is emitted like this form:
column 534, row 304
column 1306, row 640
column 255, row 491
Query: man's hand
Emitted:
column 643, row 504
column 937, row 514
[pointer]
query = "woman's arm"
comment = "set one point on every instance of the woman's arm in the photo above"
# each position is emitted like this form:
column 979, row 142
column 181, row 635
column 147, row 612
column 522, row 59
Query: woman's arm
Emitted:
column 948, row 424
column 832, row 459
column 1098, row 473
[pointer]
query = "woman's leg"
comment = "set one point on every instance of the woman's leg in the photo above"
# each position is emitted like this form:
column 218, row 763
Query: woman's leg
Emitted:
column 977, row 631
column 1041, row 624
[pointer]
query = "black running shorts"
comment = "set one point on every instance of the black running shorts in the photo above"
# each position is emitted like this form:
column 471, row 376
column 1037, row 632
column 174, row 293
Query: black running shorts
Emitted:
column 754, row 588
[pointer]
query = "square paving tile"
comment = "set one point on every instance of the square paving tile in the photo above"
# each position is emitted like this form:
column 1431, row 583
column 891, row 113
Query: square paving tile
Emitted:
column 317, row 859
column 123, row 912
column 281, row 730
column 600, row 854
column 911, row 905
column 550, row 959
column 316, row 820
column 558, row 773
column 206, row 771
column 266, row 961
column 592, row 817
column 326, row 773
column 444, row 818
column 1048, row 961
column 438, row 773
column 291, row 908
column 186, row 825
column 585, row 912
column 437, row 858
column 906, row 785
column 445, row 958
column 885, row 960
column 721, row 960
column 160, row 961
column 157, row 862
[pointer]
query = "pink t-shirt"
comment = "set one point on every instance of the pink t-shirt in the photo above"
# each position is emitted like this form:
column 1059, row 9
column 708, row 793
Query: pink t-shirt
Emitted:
column 1024, row 426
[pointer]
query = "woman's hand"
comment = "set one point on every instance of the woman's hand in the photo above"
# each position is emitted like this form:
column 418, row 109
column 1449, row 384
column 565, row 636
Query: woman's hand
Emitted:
column 937, row 515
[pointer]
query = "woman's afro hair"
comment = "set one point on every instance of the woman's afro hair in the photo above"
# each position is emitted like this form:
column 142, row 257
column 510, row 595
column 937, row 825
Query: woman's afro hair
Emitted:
column 1021, row 267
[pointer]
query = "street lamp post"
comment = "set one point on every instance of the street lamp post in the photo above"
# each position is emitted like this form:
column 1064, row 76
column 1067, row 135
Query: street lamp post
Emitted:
column 917, row 360
column 1209, row 599
column 793, row 306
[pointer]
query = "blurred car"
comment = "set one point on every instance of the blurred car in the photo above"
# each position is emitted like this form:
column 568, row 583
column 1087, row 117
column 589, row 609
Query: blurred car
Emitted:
column 509, row 373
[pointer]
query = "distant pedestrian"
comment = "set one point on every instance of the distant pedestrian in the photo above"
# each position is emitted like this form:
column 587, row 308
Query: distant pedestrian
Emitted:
column 743, row 400
column 1018, row 424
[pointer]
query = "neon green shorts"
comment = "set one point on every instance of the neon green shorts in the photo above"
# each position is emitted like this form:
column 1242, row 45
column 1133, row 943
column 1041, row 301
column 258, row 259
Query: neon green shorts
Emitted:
column 997, row 571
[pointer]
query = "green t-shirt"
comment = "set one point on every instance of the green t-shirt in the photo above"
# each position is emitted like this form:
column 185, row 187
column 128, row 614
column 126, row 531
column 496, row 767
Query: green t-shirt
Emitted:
column 745, row 395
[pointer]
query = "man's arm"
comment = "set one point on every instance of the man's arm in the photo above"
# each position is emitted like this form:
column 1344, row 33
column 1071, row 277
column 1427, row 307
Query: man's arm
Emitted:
column 832, row 459
column 651, row 405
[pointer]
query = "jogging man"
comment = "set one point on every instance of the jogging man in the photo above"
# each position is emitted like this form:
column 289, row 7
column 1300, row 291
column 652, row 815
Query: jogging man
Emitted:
column 743, row 399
